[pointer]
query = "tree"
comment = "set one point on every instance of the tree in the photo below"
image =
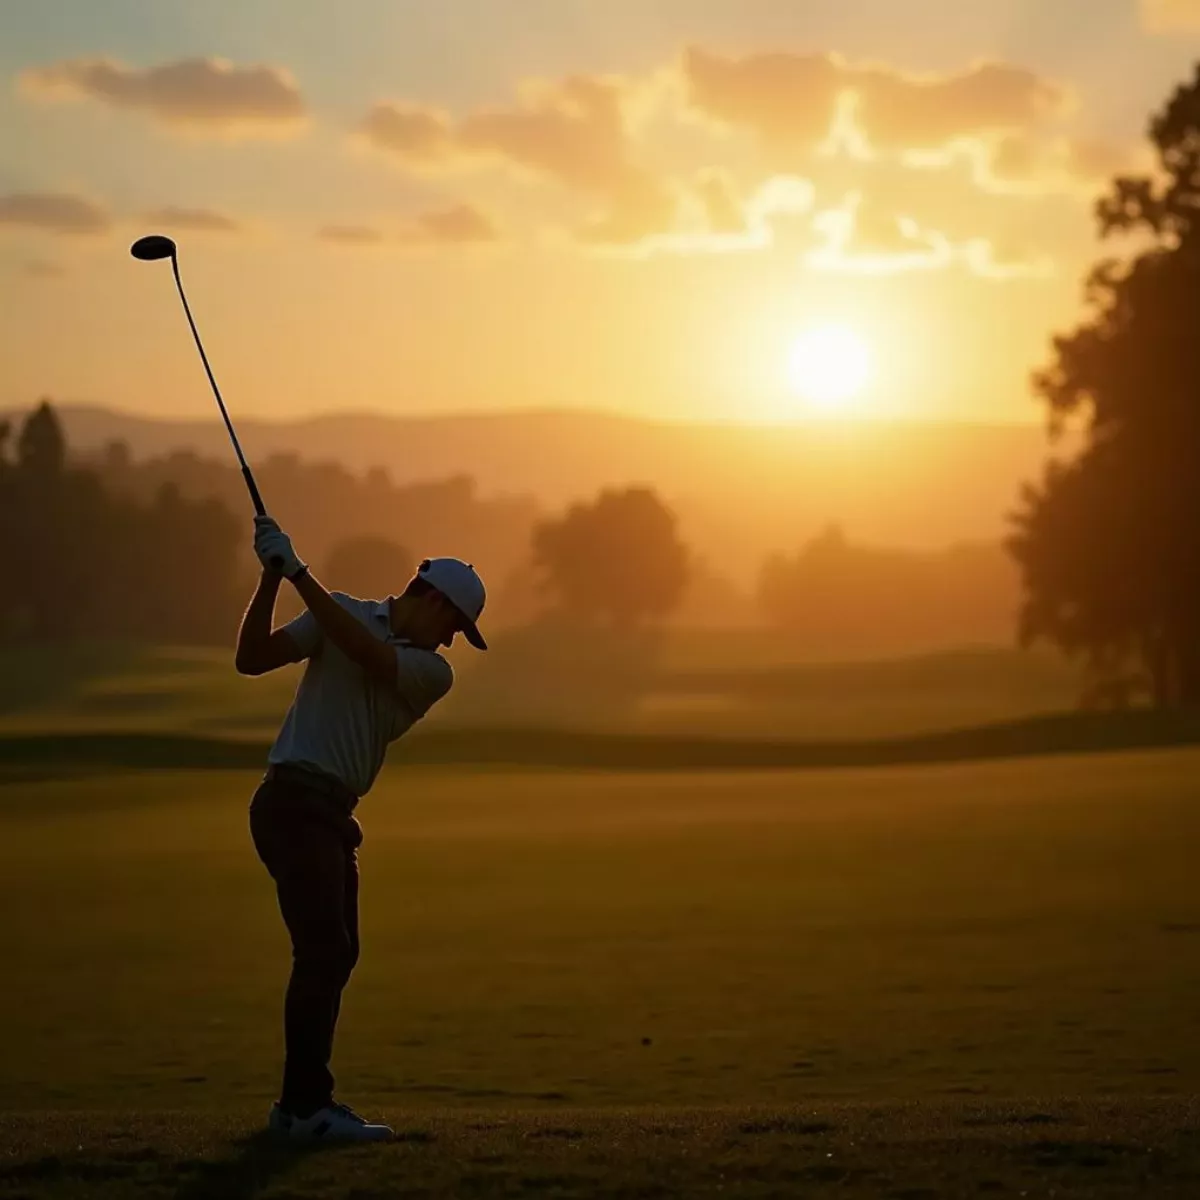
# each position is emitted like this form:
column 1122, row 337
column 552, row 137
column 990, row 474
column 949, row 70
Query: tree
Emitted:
column 368, row 566
column 1109, row 543
column 84, row 562
column 852, row 598
column 618, row 559
column 42, row 447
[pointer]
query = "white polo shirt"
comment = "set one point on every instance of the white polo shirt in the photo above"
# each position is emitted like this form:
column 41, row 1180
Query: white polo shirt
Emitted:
column 341, row 720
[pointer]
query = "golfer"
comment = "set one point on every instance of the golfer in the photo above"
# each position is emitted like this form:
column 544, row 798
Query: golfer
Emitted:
column 374, row 669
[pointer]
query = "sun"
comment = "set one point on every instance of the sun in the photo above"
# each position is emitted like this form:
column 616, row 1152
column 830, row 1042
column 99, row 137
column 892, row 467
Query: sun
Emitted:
column 829, row 367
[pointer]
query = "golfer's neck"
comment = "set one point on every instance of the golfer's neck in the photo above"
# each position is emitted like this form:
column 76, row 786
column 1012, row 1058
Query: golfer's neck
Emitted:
column 400, row 623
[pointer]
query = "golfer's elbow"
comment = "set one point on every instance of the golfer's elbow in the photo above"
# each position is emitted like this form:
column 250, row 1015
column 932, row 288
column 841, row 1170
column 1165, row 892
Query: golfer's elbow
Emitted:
column 246, row 664
column 250, row 659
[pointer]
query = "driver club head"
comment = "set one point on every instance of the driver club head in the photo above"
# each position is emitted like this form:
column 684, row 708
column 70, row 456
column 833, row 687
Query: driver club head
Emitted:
column 153, row 247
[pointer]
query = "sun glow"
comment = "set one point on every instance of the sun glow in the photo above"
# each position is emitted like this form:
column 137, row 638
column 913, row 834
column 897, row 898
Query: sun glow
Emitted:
column 829, row 368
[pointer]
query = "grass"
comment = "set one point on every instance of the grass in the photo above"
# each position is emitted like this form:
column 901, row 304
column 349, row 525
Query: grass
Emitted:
column 631, row 962
column 563, row 938
column 683, row 688
column 41, row 755
column 896, row 1152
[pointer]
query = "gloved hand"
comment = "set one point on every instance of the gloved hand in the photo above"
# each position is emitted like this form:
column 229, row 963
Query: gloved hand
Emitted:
column 274, row 548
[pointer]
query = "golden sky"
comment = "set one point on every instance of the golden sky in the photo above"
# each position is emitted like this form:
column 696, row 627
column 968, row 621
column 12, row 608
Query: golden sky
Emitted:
column 448, row 205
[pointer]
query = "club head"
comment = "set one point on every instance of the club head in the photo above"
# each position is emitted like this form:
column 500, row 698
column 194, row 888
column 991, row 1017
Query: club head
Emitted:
column 153, row 247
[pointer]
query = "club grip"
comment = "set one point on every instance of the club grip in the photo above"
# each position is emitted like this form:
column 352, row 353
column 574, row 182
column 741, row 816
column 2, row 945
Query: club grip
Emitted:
column 260, row 509
column 252, row 488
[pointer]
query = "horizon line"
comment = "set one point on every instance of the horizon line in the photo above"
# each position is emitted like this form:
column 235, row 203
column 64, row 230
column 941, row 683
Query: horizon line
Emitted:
column 546, row 410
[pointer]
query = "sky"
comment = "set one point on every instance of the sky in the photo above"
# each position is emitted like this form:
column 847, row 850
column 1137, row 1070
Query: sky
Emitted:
column 431, row 206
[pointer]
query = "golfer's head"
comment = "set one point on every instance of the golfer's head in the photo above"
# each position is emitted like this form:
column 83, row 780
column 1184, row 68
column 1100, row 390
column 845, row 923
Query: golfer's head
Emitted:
column 448, row 595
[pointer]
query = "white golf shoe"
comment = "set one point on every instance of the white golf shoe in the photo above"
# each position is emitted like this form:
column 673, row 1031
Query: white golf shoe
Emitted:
column 336, row 1123
column 279, row 1122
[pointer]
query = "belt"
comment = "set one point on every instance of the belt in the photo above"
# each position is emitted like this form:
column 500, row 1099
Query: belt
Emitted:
column 316, row 781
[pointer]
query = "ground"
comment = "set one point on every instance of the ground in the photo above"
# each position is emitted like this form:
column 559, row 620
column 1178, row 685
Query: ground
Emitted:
column 886, row 1151
column 944, row 979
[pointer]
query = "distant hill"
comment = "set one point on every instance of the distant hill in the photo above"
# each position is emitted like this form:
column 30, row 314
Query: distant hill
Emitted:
column 741, row 491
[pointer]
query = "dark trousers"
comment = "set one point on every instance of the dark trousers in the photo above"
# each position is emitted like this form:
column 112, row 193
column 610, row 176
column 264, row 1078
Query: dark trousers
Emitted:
column 311, row 851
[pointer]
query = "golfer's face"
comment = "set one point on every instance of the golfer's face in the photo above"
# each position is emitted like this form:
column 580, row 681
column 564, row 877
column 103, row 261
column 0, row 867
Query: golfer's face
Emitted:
column 446, row 618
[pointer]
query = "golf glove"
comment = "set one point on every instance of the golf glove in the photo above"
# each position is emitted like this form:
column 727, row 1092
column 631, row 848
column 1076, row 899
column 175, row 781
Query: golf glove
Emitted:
column 270, row 542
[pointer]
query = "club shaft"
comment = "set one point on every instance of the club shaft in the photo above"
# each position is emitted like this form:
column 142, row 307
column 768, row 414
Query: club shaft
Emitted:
column 246, row 474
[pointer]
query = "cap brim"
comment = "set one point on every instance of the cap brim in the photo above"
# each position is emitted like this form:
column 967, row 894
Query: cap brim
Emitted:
column 471, row 632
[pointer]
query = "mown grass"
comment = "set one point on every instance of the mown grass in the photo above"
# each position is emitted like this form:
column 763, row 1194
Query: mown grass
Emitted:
column 681, row 687
column 592, row 939
column 1098, row 1150
column 603, row 963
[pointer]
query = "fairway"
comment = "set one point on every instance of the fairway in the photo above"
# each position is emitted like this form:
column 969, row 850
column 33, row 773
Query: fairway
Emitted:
column 547, row 939
column 947, row 1150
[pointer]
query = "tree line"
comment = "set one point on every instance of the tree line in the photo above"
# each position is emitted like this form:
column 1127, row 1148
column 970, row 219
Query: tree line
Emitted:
column 158, row 549
column 82, row 561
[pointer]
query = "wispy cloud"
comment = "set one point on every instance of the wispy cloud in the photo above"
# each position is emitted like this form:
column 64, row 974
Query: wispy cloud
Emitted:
column 198, row 95
column 54, row 212
column 42, row 268
column 454, row 225
column 418, row 137
column 460, row 225
column 197, row 220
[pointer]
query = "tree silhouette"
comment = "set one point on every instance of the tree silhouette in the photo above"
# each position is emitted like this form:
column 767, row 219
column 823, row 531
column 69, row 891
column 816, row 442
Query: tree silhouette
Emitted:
column 850, row 597
column 617, row 559
column 82, row 561
column 1109, row 544
column 42, row 446
column 368, row 566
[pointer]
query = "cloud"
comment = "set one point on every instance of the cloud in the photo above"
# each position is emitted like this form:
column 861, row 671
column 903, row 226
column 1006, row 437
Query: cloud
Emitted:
column 1030, row 164
column 713, row 219
column 200, row 95
column 572, row 132
column 350, row 235
column 722, row 208
column 199, row 220
column 54, row 213
column 419, row 137
column 908, row 111
column 42, row 268
column 795, row 101
column 455, row 225
column 627, row 146
column 859, row 238
column 641, row 208
column 460, row 225
column 786, row 98
column 1171, row 16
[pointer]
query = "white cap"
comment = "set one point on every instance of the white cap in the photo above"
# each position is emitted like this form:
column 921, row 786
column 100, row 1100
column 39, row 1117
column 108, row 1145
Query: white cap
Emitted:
column 459, row 582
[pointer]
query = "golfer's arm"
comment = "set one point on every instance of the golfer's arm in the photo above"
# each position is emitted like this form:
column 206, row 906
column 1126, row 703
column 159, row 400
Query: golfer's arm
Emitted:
column 258, row 648
column 346, row 632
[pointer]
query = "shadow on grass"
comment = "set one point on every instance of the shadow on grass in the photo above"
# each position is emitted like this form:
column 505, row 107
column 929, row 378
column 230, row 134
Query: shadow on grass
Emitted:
column 51, row 756
column 258, row 1161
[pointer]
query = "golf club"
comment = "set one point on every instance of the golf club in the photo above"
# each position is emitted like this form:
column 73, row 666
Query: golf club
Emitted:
column 156, row 246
